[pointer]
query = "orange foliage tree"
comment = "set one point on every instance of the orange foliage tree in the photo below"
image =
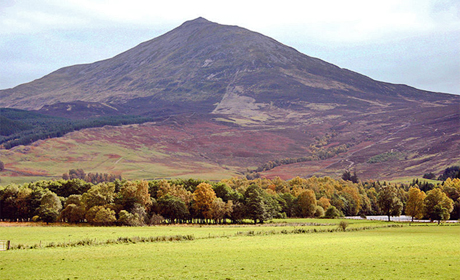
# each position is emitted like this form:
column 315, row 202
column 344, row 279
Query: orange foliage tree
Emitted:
column 203, row 198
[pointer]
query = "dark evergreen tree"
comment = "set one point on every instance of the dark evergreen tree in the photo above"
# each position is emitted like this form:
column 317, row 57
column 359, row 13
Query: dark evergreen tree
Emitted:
column 256, row 207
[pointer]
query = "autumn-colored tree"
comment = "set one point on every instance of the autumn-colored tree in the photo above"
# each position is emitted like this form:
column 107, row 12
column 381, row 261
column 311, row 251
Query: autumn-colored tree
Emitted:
column 307, row 203
column 415, row 204
column 238, row 184
column 389, row 202
column 220, row 209
column 437, row 205
column 2, row 166
column 324, row 202
column 203, row 198
column 351, row 194
column 132, row 193
column 452, row 188
column 178, row 191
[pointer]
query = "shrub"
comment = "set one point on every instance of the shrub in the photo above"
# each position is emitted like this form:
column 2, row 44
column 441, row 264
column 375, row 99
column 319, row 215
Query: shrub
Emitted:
column 343, row 225
column 430, row 175
column 319, row 212
column 129, row 219
column 156, row 219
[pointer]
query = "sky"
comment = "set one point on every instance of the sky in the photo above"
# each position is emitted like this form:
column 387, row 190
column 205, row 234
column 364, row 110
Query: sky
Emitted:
column 413, row 42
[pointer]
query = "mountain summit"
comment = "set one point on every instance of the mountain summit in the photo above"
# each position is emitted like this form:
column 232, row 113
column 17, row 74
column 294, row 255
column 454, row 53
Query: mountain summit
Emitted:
column 201, row 64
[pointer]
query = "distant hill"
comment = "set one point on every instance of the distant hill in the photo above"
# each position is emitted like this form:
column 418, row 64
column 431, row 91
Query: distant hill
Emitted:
column 227, row 79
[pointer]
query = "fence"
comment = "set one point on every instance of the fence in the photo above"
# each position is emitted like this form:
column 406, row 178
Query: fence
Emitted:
column 4, row 245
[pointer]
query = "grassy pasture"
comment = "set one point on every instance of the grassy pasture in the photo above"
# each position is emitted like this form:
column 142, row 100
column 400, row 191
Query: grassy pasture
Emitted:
column 411, row 252
column 30, row 235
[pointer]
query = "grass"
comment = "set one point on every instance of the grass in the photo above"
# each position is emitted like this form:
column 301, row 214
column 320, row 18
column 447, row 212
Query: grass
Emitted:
column 32, row 235
column 411, row 252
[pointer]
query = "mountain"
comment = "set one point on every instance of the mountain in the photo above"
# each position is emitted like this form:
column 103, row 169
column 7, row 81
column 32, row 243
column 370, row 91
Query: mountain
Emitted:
column 243, row 83
column 201, row 62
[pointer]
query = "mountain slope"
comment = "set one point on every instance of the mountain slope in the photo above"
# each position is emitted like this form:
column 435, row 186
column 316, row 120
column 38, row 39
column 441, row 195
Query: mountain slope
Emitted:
column 199, row 62
column 230, row 100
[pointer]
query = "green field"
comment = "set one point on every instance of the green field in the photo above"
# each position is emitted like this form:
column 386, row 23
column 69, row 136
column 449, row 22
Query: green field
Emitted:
column 219, row 252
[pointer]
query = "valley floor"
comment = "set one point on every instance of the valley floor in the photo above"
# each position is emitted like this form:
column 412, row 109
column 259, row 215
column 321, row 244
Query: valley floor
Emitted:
column 419, row 251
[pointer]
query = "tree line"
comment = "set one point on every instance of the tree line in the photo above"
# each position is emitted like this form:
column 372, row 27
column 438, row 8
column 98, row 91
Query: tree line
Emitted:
column 94, row 178
column 20, row 127
column 233, row 200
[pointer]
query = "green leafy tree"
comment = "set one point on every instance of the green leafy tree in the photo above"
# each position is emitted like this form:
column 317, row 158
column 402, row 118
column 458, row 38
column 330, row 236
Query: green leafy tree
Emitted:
column 105, row 217
column 238, row 212
column 319, row 211
column 256, row 206
column 450, row 172
column 172, row 208
column 287, row 203
column 100, row 215
column 225, row 192
column 23, row 203
column 8, row 203
column 389, row 202
column 438, row 205
column 99, row 195
column 415, row 204
column 74, row 210
column 50, row 207
column 347, row 176
column 129, row 219
column 332, row 212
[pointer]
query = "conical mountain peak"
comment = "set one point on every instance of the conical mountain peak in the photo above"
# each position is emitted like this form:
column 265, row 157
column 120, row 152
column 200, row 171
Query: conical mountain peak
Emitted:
column 201, row 62
column 197, row 20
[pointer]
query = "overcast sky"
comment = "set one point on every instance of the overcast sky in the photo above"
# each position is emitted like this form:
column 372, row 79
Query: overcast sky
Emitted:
column 413, row 42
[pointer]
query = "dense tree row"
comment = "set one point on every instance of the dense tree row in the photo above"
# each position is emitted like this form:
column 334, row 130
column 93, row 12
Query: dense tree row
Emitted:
column 235, row 199
column 94, row 178
column 20, row 127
